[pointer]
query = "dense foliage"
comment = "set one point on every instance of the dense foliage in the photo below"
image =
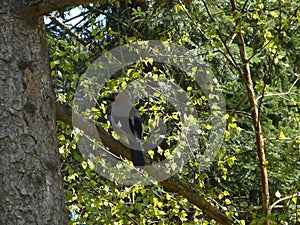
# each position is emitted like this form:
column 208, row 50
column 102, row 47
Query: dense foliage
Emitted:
column 209, row 29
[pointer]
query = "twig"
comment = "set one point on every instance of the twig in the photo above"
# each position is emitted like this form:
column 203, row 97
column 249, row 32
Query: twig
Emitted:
column 70, row 32
column 280, row 94
column 284, row 198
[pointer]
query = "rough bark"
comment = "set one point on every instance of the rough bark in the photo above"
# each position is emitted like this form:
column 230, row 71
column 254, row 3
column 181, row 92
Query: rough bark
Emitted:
column 64, row 113
column 31, row 190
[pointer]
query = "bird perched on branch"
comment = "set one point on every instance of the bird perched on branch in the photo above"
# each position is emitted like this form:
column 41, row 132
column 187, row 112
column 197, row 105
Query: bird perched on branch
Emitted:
column 126, row 121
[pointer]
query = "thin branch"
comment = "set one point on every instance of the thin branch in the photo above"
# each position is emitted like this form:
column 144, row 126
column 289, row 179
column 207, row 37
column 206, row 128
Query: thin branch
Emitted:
column 259, row 50
column 43, row 7
column 232, row 112
column 231, row 39
column 284, row 139
column 282, row 199
column 230, row 58
column 114, row 18
column 238, row 106
column 82, row 14
column 266, row 77
column 244, row 6
column 193, row 21
column 84, row 19
column 71, row 33
column 267, row 43
column 222, row 207
column 279, row 94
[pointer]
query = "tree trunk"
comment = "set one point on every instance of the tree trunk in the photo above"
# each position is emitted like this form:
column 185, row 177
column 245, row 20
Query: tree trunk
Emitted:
column 31, row 190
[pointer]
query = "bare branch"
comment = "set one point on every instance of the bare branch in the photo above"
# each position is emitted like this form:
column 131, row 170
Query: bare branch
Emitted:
column 71, row 33
column 280, row 94
column 114, row 18
column 37, row 8
column 284, row 198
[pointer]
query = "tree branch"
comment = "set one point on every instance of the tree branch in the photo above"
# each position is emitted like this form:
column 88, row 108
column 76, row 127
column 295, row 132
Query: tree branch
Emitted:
column 64, row 114
column 227, row 54
column 246, row 75
column 37, row 8
column 85, row 43
column 280, row 94
column 284, row 198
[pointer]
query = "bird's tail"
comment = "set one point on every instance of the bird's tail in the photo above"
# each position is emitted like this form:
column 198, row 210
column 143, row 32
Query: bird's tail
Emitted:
column 137, row 157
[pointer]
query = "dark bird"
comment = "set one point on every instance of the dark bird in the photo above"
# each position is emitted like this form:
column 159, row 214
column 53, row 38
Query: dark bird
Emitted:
column 127, row 123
